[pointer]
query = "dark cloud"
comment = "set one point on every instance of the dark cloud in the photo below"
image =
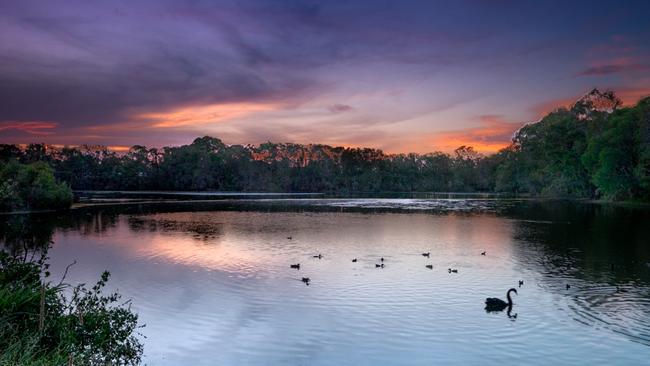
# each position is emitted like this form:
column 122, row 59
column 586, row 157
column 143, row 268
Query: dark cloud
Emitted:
column 612, row 69
column 88, row 65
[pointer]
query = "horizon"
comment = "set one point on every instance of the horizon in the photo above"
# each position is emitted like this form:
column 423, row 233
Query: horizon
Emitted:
column 400, row 78
column 126, row 149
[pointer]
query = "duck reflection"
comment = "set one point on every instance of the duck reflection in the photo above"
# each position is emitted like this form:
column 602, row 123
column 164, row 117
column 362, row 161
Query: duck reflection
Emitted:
column 511, row 316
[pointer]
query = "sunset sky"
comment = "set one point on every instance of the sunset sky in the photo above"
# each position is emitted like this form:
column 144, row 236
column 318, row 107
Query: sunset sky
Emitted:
column 403, row 76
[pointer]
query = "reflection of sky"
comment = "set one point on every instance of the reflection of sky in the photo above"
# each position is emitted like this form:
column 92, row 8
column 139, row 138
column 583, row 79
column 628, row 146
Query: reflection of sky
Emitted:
column 216, row 288
column 402, row 76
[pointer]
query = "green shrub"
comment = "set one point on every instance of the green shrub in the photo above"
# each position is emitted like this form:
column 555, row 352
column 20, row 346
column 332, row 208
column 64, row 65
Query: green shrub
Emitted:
column 32, row 186
column 39, row 325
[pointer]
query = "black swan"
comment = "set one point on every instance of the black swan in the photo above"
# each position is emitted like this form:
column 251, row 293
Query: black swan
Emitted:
column 354, row 260
column 429, row 266
column 495, row 304
column 296, row 266
column 427, row 254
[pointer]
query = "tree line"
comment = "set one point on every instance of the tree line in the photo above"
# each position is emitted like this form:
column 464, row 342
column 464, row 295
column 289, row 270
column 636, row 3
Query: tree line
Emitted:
column 594, row 149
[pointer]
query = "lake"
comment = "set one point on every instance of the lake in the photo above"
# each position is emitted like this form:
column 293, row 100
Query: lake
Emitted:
column 213, row 284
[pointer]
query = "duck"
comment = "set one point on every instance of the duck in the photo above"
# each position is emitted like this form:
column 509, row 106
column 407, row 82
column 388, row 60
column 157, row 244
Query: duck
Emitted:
column 496, row 304
column 483, row 253
column 296, row 266
column 379, row 265
column 427, row 254
column 289, row 237
column 429, row 266
column 306, row 280
column 452, row 270
column 318, row 256
column 382, row 259
column 354, row 260
column 521, row 283
column 568, row 286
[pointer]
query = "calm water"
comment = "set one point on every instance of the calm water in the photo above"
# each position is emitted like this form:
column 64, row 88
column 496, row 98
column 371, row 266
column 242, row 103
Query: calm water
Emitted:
column 212, row 280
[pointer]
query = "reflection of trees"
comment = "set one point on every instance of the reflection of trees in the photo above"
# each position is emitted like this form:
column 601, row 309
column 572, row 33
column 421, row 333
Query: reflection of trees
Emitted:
column 90, row 222
column 594, row 242
column 594, row 248
column 21, row 235
column 31, row 233
column 203, row 231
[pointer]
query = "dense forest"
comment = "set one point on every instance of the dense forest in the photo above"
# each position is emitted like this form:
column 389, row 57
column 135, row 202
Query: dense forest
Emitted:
column 594, row 149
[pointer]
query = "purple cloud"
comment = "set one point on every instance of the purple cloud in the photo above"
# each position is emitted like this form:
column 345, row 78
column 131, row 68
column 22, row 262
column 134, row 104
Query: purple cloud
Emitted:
column 612, row 69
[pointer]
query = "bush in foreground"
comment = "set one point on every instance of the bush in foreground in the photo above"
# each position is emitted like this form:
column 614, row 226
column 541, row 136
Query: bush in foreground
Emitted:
column 39, row 325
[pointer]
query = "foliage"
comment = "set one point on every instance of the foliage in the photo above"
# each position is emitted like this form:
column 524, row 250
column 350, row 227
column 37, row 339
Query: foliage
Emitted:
column 31, row 186
column 545, row 158
column 595, row 149
column 39, row 325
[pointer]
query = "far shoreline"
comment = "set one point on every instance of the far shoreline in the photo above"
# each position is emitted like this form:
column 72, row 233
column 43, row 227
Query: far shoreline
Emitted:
column 125, row 198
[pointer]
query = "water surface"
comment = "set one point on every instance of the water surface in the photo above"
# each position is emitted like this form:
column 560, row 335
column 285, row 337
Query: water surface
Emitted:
column 212, row 280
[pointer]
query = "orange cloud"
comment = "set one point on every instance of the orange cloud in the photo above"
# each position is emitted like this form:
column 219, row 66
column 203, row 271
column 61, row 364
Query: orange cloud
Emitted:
column 119, row 148
column 631, row 96
column 31, row 127
column 207, row 114
column 493, row 135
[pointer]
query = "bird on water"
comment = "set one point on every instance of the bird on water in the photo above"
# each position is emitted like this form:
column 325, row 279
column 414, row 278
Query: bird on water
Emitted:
column 296, row 266
column 483, row 253
column 427, row 254
column 318, row 256
column 306, row 280
column 354, row 260
column 521, row 283
column 496, row 304
column 429, row 266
